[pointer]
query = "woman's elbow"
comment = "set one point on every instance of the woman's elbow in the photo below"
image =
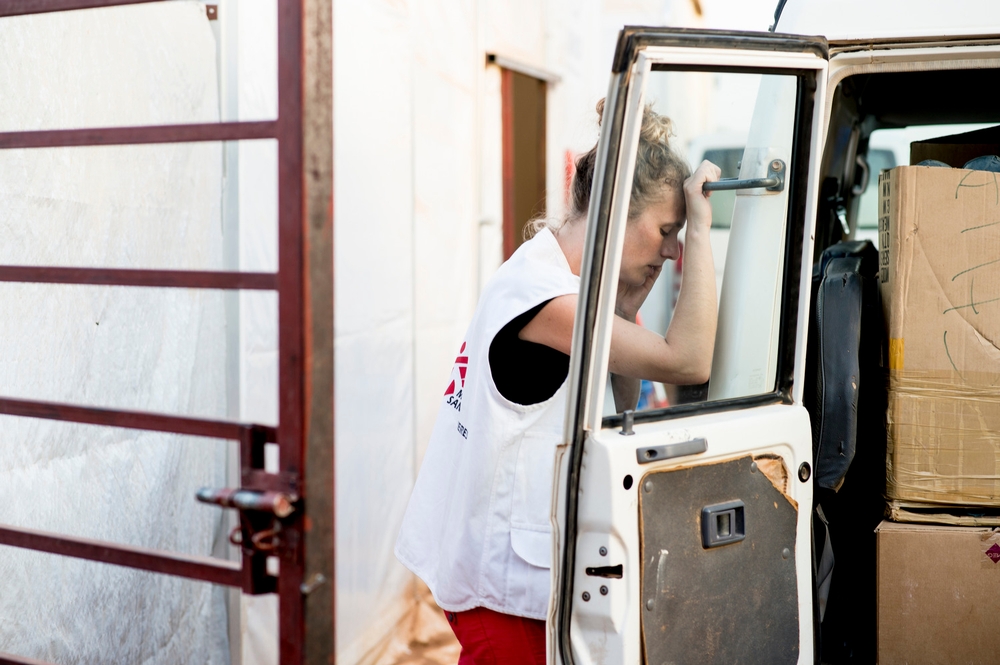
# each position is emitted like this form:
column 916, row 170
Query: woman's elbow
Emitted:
column 697, row 372
column 701, row 377
column 696, row 377
column 693, row 374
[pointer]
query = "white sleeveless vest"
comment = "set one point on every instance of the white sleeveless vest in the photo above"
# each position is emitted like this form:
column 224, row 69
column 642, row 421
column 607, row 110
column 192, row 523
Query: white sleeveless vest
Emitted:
column 477, row 527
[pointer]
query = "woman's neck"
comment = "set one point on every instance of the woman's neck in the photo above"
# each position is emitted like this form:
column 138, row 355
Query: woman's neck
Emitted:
column 571, row 237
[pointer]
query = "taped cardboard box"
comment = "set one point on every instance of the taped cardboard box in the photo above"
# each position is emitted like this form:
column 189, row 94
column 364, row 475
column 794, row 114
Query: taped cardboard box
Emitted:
column 939, row 243
column 937, row 591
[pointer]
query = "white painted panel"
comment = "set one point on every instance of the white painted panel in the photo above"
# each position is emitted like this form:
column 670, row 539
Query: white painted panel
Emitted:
column 861, row 19
column 749, row 308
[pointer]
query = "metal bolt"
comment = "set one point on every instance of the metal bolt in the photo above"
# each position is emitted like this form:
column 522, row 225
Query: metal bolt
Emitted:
column 650, row 604
column 314, row 583
column 785, row 553
column 753, row 467
column 804, row 471
column 776, row 165
column 586, row 596
column 603, row 551
column 648, row 486
column 604, row 590
column 628, row 418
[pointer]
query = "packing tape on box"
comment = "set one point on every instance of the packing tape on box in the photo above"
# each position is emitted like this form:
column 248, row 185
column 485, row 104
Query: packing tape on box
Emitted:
column 944, row 437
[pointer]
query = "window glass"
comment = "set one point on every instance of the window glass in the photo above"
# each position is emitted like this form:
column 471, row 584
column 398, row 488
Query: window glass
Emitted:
column 713, row 118
column 727, row 159
column 879, row 159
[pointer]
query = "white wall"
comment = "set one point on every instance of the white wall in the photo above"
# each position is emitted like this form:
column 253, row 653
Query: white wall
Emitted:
column 374, row 201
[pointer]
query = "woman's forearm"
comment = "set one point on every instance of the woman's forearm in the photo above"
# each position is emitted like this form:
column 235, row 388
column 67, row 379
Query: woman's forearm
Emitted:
column 692, row 327
column 626, row 391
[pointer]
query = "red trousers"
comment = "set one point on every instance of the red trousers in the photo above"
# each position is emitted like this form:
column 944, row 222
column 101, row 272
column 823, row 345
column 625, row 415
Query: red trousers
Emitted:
column 492, row 638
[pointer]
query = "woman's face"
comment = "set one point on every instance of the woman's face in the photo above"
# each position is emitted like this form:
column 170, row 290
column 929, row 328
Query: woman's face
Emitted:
column 651, row 238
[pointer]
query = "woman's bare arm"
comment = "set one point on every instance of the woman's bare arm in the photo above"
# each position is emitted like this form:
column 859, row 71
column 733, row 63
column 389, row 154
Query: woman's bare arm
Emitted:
column 684, row 355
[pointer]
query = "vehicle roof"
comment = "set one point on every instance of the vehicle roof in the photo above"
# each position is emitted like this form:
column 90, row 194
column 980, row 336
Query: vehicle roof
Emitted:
column 851, row 20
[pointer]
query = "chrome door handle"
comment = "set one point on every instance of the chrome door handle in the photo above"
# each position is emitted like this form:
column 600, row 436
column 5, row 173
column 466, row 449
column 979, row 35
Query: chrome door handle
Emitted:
column 774, row 182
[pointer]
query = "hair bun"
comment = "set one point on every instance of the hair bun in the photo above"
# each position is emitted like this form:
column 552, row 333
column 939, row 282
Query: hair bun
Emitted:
column 657, row 165
column 656, row 128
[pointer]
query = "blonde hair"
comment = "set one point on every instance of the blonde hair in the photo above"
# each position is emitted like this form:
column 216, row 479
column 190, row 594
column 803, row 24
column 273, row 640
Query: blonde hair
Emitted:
column 657, row 166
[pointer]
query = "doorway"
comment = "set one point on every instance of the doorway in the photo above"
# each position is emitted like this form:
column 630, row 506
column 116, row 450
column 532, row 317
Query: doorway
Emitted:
column 523, row 116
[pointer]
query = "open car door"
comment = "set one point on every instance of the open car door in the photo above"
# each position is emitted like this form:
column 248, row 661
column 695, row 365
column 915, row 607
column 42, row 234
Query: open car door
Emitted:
column 682, row 532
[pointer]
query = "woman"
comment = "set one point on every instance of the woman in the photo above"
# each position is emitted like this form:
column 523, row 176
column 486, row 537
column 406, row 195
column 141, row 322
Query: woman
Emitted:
column 477, row 528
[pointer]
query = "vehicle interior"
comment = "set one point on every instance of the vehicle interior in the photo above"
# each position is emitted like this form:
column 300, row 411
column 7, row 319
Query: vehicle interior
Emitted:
column 848, row 515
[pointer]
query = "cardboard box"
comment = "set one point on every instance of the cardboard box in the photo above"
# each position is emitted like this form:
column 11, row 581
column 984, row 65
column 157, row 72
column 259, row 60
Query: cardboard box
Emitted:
column 938, row 589
column 939, row 243
column 957, row 149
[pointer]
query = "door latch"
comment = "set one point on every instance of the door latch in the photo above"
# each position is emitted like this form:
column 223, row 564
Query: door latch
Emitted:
column 722, row 524
column 269, row 507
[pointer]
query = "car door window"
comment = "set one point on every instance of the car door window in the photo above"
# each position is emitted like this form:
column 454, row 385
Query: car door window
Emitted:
column 713, row 119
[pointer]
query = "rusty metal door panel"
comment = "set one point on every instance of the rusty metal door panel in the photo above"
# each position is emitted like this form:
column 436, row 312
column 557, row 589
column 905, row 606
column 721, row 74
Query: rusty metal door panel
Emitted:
column 718, row 568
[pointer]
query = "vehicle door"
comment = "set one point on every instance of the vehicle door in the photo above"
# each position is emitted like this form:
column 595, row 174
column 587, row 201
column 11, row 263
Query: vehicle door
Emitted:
column 682, row 533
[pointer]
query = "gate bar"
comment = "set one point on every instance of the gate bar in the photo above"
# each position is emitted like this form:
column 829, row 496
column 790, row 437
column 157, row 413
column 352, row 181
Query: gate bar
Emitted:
column 190, row 279
column 141, row 135
column 153, row 422
column 21, row 7
column 292, row 316
column 206, row 569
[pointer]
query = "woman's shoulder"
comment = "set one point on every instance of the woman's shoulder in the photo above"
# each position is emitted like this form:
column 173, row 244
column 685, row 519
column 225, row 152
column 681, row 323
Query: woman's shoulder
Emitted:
column 542, row 253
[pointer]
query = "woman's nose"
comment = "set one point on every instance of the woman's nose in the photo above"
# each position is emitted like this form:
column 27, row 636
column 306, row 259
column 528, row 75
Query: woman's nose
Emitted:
column 670, row 249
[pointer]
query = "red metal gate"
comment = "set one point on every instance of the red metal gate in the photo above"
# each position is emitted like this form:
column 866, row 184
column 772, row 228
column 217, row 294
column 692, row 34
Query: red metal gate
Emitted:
column 288, row 514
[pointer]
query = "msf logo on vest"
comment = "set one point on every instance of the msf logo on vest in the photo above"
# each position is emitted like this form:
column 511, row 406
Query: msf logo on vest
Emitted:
column 454, row 391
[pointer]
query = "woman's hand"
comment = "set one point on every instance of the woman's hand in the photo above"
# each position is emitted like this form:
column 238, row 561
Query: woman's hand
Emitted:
column 699, row 210
column 630, row 298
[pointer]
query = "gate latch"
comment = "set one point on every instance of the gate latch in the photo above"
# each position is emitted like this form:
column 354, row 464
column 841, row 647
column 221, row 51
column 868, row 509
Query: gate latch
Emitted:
column 279, row 504
column 269, row 506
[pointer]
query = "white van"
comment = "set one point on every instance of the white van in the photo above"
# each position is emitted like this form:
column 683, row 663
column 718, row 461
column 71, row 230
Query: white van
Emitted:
column 645, row 504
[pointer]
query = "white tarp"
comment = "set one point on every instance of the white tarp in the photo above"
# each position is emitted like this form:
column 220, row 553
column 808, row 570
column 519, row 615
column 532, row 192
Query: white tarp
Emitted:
column 148, row 349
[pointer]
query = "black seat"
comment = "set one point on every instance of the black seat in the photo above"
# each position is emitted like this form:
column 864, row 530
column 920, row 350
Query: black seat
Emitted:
column 844, row 393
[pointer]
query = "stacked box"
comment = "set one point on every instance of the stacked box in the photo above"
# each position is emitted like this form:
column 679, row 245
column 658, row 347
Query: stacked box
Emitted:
column 939, row 237
column 937, row 594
